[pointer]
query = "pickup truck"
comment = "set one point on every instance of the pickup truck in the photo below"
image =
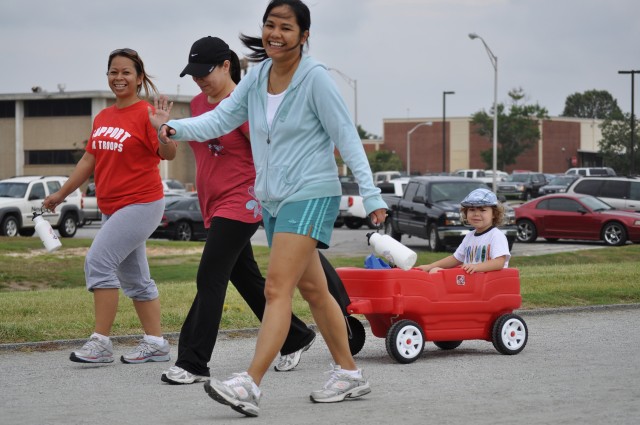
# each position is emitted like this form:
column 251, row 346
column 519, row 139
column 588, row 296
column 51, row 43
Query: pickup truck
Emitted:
column 475, row 174
column 430, row 209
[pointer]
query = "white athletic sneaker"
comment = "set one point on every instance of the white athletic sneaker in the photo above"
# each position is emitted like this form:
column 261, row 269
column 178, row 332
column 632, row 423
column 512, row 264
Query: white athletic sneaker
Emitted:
column 236, row 391
column 288, row 362
column 148, row 352
column 93, row 351
column 177, row 375
column 340, row 386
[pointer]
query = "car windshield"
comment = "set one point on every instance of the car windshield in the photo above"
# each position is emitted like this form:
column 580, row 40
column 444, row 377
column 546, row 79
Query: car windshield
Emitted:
column 595, row 204
column 452, row 191
column 13, row 190
column 561, row 181
column 520, row 177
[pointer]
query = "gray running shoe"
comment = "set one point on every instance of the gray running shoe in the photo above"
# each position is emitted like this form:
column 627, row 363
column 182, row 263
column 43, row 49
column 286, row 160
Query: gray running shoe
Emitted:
column 235, row 391
column 177, row 375
column 148, row 352
column 341, row 386
column 93, row 351
column 288, row 362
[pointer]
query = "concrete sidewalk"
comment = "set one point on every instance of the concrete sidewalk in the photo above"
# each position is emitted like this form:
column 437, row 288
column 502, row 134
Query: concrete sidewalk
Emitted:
column 580, row 366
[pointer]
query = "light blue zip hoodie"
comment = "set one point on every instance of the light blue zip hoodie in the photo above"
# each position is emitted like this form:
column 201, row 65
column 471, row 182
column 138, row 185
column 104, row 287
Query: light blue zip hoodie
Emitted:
column 294, row 159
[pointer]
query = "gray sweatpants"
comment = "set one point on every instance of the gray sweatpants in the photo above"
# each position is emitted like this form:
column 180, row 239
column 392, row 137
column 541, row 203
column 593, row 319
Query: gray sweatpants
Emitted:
column 118, row 256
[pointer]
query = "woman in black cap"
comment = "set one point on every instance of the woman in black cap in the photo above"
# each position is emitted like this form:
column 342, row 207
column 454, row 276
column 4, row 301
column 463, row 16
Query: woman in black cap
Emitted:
column 225, row 176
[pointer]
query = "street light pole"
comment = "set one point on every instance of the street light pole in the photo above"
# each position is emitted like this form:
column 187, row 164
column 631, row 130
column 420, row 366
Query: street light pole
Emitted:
column 409, row 144
column 494, row 61
column 444, row 127
column 633, row 127
column 354, row 85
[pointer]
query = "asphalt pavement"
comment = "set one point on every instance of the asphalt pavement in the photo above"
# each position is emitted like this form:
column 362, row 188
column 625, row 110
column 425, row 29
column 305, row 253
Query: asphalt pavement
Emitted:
column 580, row 366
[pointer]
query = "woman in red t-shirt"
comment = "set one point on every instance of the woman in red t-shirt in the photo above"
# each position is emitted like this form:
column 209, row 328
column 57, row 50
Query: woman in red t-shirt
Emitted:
column 225, row 176
column 123, row 154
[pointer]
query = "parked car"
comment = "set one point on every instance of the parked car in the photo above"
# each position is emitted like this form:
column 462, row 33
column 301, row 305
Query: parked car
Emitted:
column 622, row 193
column 557, row 184
column 19, row 196
column 182, row 220
column 173, row 187
column 523, row 186
column 385, row 176
column 571, row 216
column 591, row 171
column 500, row 175
column 355, row 215
column 90, row 205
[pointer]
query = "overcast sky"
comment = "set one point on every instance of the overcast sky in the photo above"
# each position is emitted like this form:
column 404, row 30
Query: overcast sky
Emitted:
column 402, row 53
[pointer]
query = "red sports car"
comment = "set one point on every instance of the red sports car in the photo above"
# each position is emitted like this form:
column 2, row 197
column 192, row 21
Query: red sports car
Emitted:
column 567, row 216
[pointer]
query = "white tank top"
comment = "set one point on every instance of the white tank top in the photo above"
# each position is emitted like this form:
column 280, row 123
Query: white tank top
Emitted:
column 273, row 101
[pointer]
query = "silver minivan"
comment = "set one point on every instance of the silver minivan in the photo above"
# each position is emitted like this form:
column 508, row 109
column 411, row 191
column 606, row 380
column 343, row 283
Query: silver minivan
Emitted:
column 591, row 171
column 622, row 193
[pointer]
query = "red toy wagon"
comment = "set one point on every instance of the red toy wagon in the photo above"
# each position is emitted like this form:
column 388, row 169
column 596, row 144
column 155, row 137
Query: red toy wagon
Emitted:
column 411, row 307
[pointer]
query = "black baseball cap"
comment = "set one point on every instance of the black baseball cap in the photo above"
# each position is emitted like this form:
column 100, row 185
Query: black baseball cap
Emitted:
column 205, row 54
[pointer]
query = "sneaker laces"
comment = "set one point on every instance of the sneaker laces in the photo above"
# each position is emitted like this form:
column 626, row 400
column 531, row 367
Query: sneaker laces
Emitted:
column 237, row 378
column 92, row 345
column 145, row 347
column 335, row 376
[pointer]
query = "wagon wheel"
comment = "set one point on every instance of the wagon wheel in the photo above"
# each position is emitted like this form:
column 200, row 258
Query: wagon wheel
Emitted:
column 447, row 345
column 357, row 335
column 405, row 341
column 509, row 334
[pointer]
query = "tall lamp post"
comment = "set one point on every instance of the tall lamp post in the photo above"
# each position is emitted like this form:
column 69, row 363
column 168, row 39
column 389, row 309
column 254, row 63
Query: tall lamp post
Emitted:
column 409, row 133
column 354, row 85
column 444, row 129
column 631, row 165
column 494, row 61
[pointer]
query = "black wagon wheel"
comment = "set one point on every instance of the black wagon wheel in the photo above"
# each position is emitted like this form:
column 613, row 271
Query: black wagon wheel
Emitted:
column 447, row 345
column 509, row 334
column 405, row 341
column 356, row 334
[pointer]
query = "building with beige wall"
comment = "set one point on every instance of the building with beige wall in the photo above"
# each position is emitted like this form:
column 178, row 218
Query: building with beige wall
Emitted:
column 44, row 133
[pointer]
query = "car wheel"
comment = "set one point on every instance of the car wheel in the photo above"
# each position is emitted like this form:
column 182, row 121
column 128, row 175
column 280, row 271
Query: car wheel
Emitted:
column 357, row 335
column 183, row 231
column 388, row 230
column 27, row 231
column 447, row 345
column 614, row 234
column 338, row 223
column 68, row 226
column 509, row 335
column 405, row 341
column 527, row 231
column 9, row 226
column 435, row 244
column 353, row 223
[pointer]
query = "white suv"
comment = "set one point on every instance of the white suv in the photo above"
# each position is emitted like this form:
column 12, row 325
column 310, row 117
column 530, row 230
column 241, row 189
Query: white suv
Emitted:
column 20, row 195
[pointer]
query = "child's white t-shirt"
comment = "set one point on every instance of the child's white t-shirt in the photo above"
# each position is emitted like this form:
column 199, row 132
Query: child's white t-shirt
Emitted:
column 478, row 248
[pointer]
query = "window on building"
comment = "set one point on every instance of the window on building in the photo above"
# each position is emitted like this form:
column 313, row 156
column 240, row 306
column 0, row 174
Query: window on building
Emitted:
column 7, row 109
column 52, row 157
column 57, row 107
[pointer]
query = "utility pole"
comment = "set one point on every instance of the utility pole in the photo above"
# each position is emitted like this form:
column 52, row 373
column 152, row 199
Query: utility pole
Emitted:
column 633, row 126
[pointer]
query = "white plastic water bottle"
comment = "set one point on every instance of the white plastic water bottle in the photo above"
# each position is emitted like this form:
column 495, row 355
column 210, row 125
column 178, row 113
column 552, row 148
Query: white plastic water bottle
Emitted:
column 392, row 250
column 45, row 233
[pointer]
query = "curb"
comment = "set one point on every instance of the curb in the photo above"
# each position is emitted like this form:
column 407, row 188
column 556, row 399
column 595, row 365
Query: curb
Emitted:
column 250, row 332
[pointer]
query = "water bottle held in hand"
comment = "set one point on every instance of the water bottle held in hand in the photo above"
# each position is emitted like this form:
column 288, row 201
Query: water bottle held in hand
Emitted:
column 392, row 250
column 45, row 232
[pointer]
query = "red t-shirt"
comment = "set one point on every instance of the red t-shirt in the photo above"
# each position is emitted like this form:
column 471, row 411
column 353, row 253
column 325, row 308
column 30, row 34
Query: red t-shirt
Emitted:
column 225, row 174
column 125, row 146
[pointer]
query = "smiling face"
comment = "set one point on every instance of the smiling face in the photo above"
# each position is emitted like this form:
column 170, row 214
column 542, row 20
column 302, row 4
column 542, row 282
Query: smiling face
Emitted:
column 480, row 217
column 281, row 35
column 123, row 78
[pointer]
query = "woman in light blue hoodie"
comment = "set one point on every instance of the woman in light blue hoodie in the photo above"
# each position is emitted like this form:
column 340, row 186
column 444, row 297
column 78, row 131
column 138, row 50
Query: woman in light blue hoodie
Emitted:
column 297, row 117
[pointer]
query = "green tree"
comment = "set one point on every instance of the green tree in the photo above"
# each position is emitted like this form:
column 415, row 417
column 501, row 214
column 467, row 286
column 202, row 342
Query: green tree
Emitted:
column 517, row 129
column 384, row 160
column 592, row 104
column 364, row 135
column 615, row 144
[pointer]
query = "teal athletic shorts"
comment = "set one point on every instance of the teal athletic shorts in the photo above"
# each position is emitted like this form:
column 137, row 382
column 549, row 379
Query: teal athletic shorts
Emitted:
column 313, row 217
